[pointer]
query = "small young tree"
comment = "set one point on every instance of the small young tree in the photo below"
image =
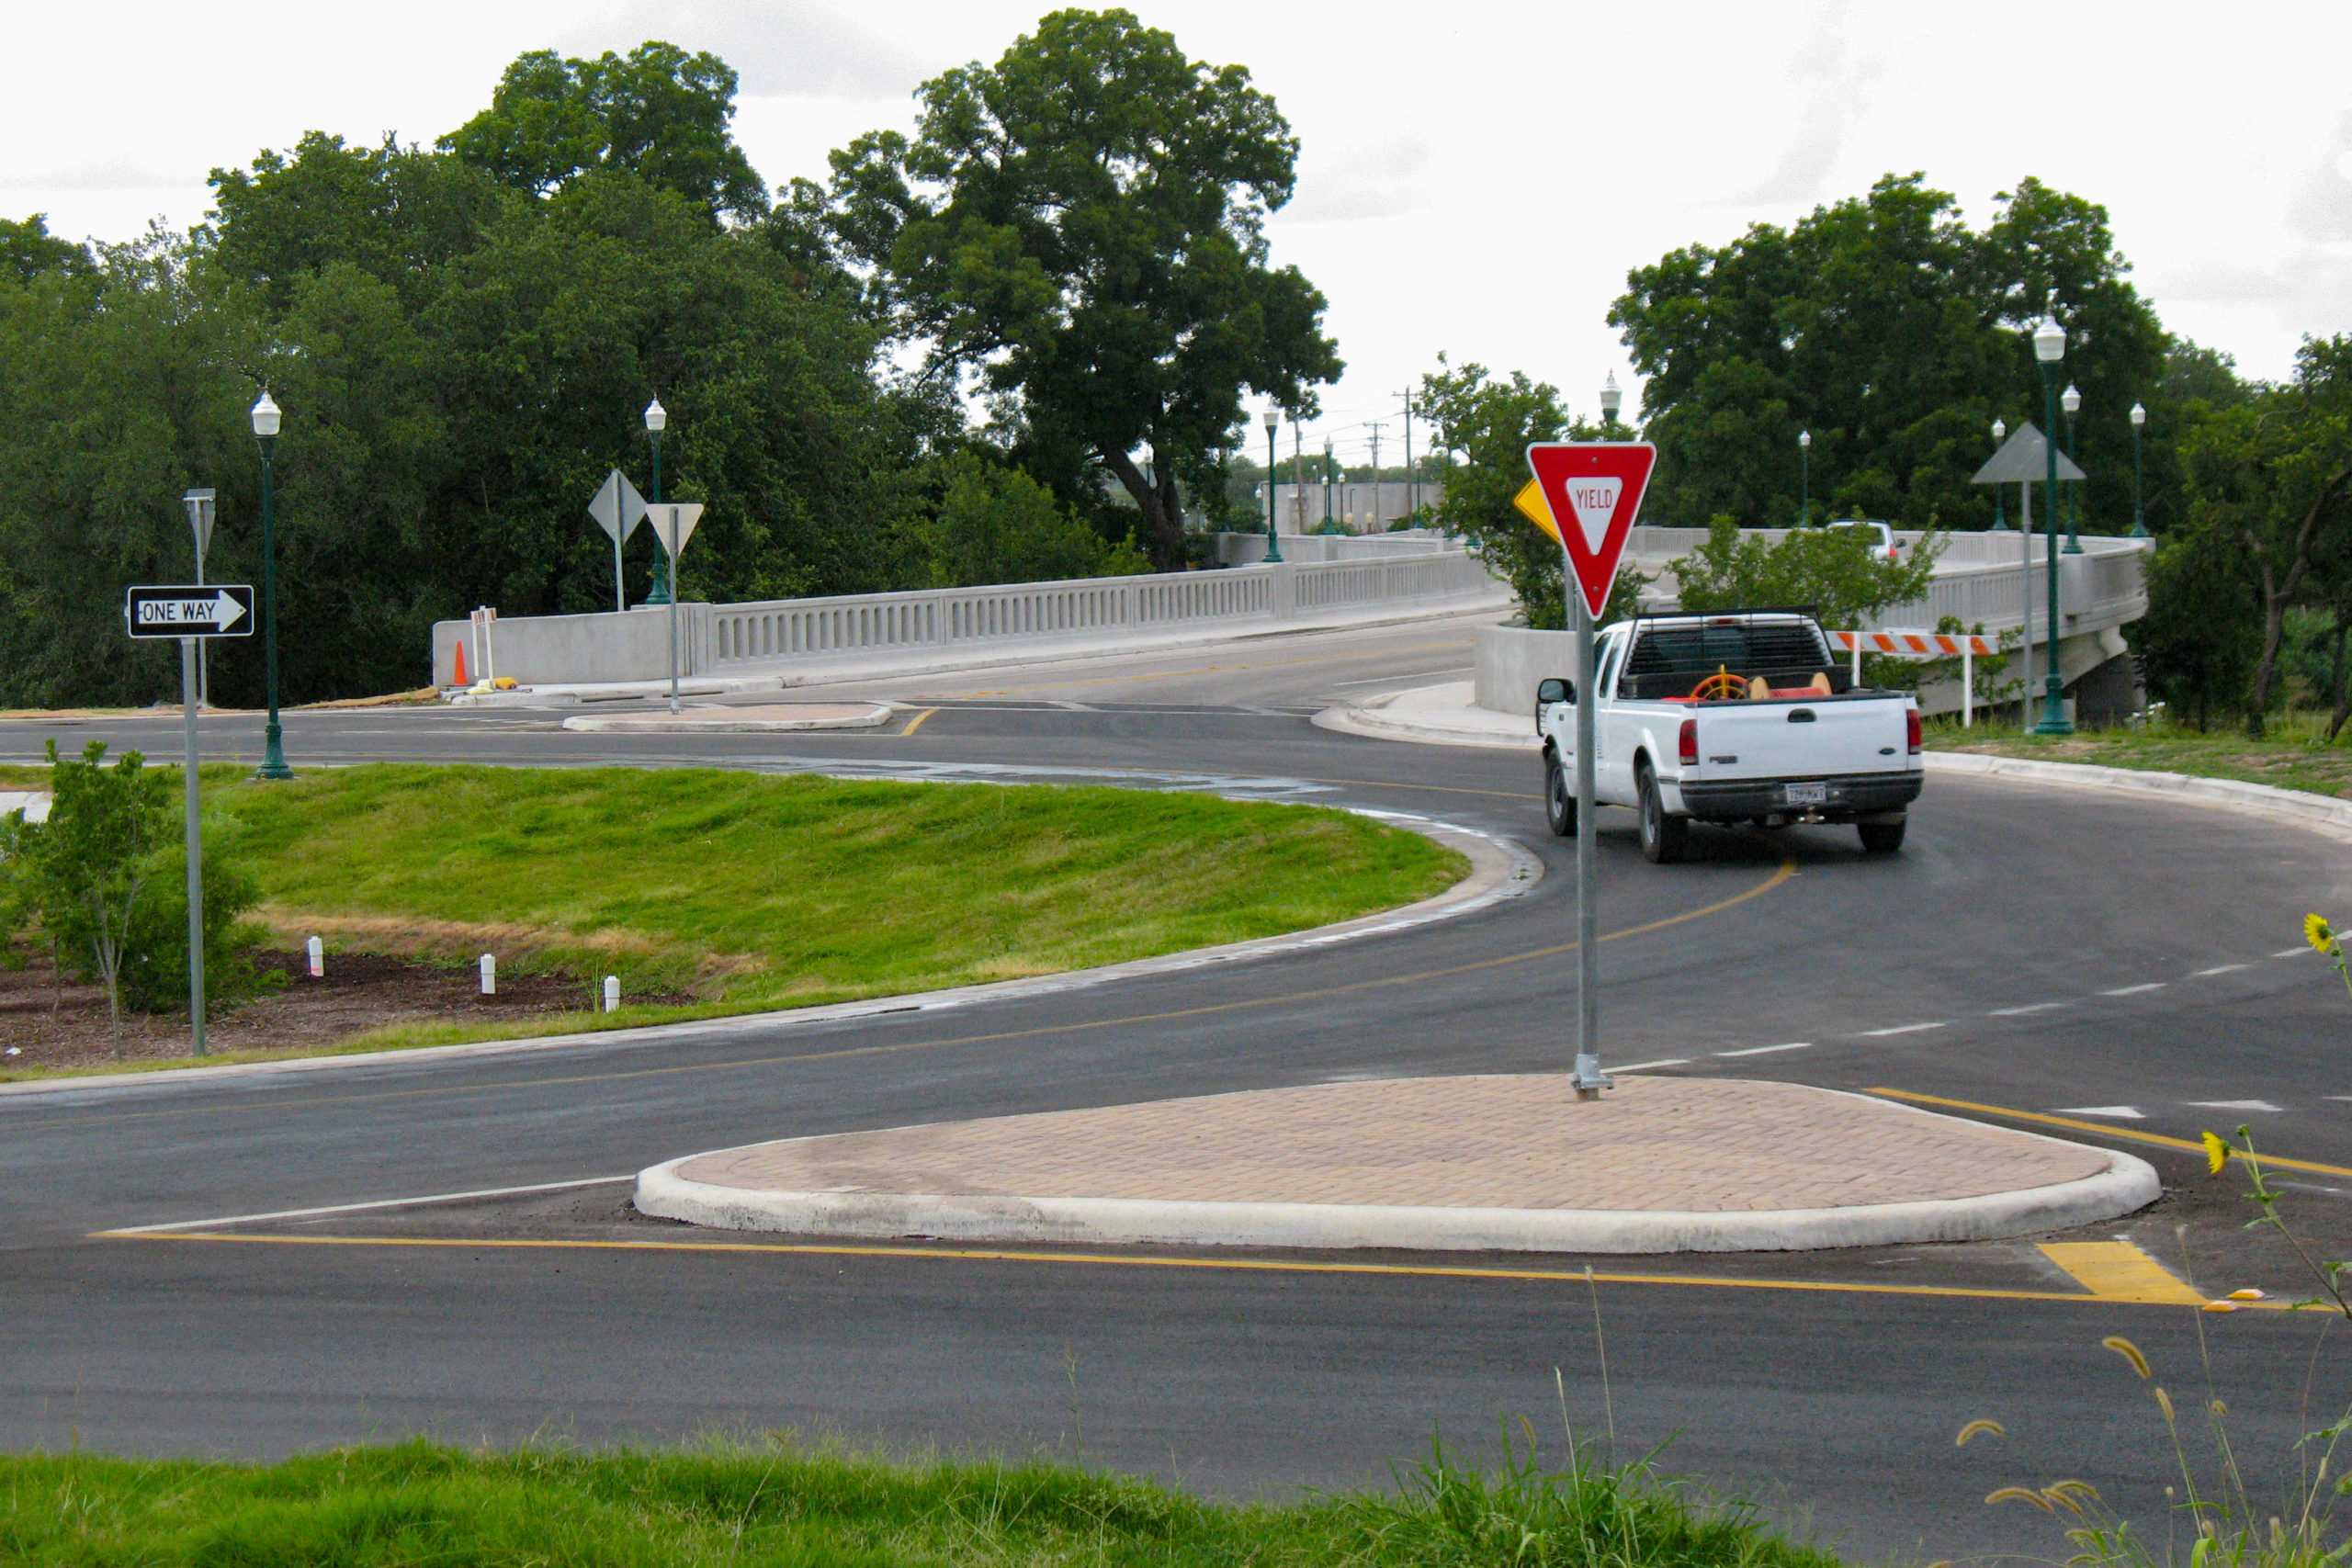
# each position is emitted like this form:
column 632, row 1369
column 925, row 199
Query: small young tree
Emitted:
column 87, row 867
column 1837, row 571
column 1490, row 421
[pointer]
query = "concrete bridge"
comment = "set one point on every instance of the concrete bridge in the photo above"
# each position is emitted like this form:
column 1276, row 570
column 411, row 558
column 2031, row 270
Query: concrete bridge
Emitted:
column 1981, row 579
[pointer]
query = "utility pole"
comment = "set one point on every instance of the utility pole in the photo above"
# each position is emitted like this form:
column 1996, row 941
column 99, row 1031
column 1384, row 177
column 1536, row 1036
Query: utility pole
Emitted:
column 1412, row 488
column 1375, row 426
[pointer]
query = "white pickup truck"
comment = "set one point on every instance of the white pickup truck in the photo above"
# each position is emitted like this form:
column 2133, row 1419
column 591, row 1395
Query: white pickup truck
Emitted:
column 1732, row 718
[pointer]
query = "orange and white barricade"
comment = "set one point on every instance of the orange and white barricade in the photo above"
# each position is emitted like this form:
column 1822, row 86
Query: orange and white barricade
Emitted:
column 1923, row 645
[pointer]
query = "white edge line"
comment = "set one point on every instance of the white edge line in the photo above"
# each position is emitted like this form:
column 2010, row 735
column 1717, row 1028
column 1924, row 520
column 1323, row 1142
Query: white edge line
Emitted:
column 378, row 1203
column 1767, row 1049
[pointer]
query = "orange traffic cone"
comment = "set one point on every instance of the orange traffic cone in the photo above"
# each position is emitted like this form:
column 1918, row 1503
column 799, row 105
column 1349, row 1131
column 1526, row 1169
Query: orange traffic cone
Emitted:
column 461, row 662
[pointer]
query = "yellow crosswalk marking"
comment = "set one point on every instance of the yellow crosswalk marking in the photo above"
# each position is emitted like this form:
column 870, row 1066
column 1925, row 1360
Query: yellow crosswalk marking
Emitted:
column 2119, row 1271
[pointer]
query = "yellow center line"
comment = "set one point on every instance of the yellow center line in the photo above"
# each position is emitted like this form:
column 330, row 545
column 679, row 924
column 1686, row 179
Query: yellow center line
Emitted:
column 916, row 723
column 1231, row 1264
column 2046, row 1120
column 1786, row 870
column 1203, row 670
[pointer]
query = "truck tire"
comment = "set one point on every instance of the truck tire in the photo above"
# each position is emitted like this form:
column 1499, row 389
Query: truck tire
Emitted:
column 1881, row 838
column 1559, row 802
column 1664, row 837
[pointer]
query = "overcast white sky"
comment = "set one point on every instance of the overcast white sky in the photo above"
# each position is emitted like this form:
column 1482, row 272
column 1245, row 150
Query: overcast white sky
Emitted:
column 1477, row 177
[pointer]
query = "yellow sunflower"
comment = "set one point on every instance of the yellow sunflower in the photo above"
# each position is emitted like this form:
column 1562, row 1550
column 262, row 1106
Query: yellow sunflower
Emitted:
column 2318, row 932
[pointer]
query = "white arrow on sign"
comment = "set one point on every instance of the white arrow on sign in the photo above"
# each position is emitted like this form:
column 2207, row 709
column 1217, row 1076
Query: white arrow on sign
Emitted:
column 618, row 508
column 673, row 523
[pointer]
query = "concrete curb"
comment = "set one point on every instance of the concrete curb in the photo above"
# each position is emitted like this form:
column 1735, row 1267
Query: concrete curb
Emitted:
column 2330, row 818
column 1500, row 869
column 875, row 716
column 1370, row 719
column 2129, row 1183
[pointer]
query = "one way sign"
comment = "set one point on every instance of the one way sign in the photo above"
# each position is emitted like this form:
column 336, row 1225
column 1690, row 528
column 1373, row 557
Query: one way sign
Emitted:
column 197, row 610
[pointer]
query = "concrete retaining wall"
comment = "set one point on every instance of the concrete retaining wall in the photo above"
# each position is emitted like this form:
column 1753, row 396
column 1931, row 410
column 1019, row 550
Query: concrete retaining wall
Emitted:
column 1512, row 660
column 617, row 644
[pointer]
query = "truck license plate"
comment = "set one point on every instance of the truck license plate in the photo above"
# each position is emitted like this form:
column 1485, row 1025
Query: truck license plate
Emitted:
column 1808, row 793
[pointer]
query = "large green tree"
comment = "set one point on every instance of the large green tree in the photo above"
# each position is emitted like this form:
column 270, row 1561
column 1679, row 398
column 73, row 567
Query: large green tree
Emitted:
column 1894, row 334
column 461, row 360
column 2270, row 496
column 657, row 112
column 1082, row 225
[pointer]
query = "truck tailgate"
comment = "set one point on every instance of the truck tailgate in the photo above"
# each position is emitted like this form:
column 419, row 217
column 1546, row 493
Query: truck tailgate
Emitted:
column 1801, row 740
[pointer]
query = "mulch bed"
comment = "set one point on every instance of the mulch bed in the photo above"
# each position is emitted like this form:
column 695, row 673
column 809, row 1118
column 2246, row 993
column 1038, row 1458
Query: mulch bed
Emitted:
column 44, row 1024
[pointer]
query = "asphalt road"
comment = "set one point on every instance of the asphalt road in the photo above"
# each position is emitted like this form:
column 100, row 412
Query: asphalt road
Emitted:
column 2032, row 950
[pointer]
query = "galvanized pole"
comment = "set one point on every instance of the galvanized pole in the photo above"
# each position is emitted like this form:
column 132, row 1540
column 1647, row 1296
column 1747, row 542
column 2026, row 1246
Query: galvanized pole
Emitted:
column 1588, row 1078
column 670, row 553
column 194, row 854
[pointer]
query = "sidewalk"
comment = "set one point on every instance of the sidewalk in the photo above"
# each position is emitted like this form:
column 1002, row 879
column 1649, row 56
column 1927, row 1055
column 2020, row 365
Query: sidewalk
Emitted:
column 1435, row 716
column 1491, row 1163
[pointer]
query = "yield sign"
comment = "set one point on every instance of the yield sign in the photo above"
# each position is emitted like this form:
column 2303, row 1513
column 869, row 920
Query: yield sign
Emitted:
column 674, row 525
column 1596, row 487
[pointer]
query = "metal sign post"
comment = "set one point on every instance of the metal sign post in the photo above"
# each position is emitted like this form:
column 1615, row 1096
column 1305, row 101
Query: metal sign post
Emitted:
column 674, row 525
column 1585, row 494
column 200, row 511
column 617, row 509
column 194, row 614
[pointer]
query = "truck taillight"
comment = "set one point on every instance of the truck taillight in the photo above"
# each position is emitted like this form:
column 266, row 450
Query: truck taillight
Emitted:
column 1911, row 729
column 1690, row 743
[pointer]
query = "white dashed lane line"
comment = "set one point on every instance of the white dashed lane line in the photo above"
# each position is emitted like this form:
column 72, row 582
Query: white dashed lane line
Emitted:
column 1902, row 1029
column 2135, row 990
column 2291, row 952
column 1767, row 1049
column 2219, row 969
column 2021, row 1012
column 1641, row 1067
column 2261, row 1105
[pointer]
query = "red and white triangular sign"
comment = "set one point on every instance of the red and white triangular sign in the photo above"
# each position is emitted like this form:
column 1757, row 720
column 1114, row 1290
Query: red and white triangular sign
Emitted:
column 1594, row 489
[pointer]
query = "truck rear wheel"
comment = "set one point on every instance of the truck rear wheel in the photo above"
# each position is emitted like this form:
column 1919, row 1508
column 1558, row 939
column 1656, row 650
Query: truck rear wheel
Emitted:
column 1559, row 804
column 1664, row 837
column 1881, row 838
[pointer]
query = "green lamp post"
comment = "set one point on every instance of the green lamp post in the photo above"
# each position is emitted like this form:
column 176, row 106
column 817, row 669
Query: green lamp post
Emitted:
column 657, row 419
column 1804, row 477
column 2072, row 402
column 1327, row 476
column 266, row 417
column 2139, row 512
column 2000, row 504
column 2049, row 348
column 1273, row 536
column 1611, row 400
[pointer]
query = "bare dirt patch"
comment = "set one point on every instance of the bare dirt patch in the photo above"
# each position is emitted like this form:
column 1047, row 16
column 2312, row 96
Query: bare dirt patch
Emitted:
column 44, row 1024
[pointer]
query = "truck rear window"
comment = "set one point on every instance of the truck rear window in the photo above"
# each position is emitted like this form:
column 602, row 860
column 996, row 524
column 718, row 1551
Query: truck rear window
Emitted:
column 1749, row 650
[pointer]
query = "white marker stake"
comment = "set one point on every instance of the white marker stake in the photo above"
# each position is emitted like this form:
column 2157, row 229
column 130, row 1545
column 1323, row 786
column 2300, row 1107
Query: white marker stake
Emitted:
column 488, row 974
column 612, row 993
column 318, row 959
